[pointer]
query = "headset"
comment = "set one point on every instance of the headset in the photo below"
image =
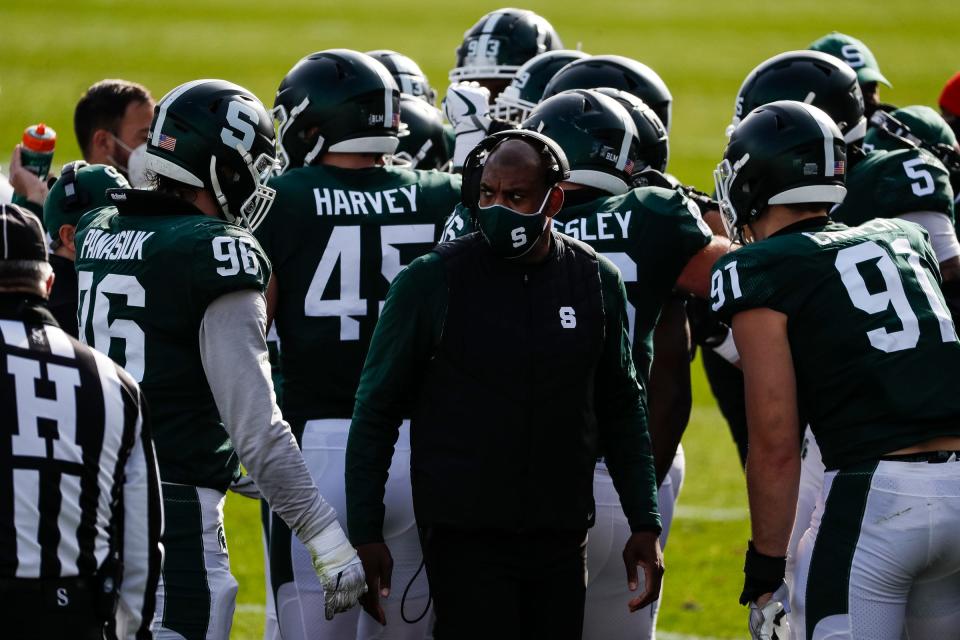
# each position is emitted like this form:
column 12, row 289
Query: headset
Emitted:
column 74, row 197
column 558, row 171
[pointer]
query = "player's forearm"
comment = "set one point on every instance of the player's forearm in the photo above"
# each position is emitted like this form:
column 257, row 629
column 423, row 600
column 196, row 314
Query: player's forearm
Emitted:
column 670, row 396
column 773, row 478
column 234, row 354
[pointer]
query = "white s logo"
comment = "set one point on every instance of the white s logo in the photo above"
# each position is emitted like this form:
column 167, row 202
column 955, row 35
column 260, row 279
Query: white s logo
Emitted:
column 63, row 598
column 243, row 126
column 519, row 236
column 568, row 317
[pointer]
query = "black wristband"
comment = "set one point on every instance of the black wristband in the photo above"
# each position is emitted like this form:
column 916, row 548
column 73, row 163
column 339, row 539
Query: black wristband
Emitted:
column 761, row 574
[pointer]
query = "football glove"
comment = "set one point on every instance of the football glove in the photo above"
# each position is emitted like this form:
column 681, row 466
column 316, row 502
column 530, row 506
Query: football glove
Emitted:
column 339, row 569
column 467, row 109
column 769, row 622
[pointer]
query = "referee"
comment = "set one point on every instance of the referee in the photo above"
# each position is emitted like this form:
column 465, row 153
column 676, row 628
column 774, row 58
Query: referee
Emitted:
column 80, row 510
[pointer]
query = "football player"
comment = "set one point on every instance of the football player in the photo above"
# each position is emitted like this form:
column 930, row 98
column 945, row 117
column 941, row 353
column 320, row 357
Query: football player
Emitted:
column 343, row 225
column 425, row 142
column 80, row 188
column 658, row 240
column 525, row 91
column 497, row 46
column 906, row 183
column 918, row 126
column 861, row 59
column 847, row 327
column 171, row 287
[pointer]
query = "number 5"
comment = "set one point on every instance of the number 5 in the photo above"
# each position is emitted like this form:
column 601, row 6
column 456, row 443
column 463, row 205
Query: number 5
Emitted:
column 924, row 181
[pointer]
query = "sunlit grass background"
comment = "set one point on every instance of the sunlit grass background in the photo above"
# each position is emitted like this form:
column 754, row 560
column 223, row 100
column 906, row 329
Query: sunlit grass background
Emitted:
column 51, row 51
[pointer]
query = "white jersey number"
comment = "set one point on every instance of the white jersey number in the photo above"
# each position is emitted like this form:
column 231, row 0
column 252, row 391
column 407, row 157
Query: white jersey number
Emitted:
column 847, row 263
column 923, row 185
column 95, row 313
column 344, row 248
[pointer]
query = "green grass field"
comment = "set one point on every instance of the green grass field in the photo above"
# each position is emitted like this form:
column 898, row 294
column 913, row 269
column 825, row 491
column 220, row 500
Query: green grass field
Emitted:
column 53, row 50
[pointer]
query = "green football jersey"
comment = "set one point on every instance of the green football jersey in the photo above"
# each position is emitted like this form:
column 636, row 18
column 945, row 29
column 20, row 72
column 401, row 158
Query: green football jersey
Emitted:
column 649, row 233
column 147, row 270
column 337, row 238
column 887, row 184
column 874, row 349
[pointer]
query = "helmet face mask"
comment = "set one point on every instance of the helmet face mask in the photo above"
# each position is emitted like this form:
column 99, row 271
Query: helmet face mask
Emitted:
column 723, row 177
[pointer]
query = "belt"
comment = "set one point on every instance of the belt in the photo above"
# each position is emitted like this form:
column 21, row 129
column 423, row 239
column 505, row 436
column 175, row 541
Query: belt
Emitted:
column 932, row 457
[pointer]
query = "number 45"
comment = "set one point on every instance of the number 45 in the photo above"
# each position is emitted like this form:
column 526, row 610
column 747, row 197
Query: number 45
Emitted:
column 344, row 247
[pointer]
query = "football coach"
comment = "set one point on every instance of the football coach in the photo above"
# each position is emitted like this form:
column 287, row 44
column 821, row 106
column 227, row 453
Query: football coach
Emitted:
column 508, row 349
column 80, row 510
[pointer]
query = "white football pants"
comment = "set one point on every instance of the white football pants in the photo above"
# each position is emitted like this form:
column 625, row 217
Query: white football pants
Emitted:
column 881, row 559
column 299, row 605
column 606, row 616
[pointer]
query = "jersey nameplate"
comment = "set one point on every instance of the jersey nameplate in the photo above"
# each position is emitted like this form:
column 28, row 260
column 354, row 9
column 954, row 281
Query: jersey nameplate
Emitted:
column 126, row 245
column 824, row 238
column 611, row 225
column 340, row 202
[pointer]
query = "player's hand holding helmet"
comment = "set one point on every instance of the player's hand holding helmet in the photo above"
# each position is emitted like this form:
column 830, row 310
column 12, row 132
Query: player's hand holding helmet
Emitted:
column 339, row 569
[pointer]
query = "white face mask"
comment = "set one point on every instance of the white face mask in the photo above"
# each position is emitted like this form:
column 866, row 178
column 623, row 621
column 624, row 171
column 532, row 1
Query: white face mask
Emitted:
column 137, row 167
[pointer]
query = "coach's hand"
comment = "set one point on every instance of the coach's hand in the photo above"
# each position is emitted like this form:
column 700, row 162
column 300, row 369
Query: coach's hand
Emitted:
column 339, row 569
column 643, row 549
column 378, row 567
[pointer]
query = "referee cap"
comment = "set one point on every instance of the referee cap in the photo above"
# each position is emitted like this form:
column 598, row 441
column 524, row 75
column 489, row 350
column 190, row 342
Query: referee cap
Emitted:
column 21, row 235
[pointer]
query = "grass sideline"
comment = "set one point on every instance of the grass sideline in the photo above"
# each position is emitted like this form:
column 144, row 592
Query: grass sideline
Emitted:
column 53, row 51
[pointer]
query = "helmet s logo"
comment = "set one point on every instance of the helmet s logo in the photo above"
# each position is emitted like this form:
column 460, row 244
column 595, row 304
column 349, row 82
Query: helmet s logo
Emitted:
column 519, row 237
column 241, row 120
column 853, row 56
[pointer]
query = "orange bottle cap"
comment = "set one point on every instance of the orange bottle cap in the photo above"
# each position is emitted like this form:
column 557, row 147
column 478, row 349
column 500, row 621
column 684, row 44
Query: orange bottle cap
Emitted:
column 40, row 138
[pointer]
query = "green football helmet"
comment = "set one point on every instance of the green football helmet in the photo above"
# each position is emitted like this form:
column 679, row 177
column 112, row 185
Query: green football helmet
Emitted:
column 616, row 72
column 215, row 135
column 654, row 142
column 811, row 77
column 410, row 79
column 515, row 103
column 596, row 134
column 854, row 53
column 784, row 152
column 80, row 188
column 497, row 45
column 336, row 100
column 423, row 141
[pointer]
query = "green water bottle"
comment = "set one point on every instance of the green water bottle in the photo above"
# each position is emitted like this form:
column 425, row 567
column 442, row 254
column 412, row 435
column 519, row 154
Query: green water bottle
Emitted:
column 36, row 152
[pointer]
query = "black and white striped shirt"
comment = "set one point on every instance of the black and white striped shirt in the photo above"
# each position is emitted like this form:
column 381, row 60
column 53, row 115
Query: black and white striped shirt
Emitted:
column 78, row 478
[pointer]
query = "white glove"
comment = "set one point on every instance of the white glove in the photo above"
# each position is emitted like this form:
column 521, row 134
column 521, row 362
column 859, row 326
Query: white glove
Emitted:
column 769, row 622
column 246, row 487
column 467, row 109
column 339, row 569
